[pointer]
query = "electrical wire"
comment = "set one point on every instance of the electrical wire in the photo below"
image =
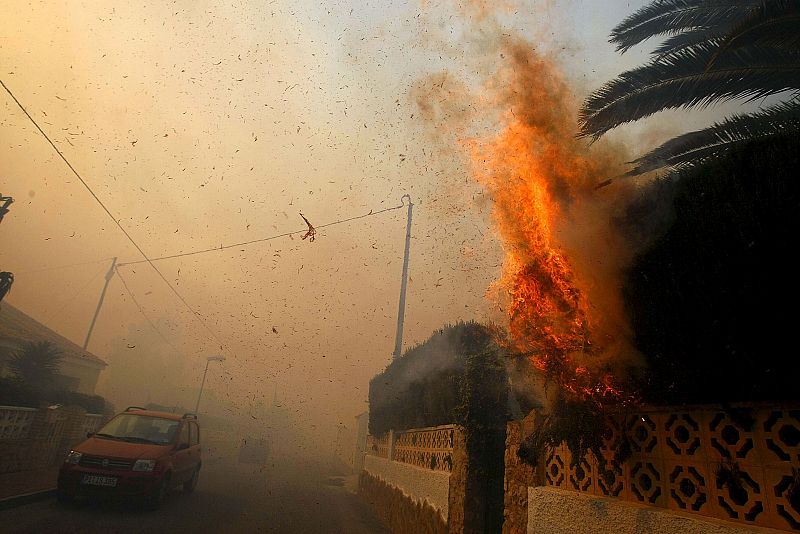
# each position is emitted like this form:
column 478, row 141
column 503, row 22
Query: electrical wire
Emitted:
column 151, row 261
column 141, row 310
column 116, row 222
column 260, row 240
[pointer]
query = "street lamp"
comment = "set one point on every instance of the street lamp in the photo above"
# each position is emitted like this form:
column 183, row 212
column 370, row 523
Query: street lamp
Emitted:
column 203, row 383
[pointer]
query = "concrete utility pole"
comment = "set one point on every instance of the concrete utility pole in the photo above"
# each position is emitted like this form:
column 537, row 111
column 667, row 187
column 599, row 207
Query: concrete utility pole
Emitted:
column 398, row 340
column 203, row 383
column 109, row 276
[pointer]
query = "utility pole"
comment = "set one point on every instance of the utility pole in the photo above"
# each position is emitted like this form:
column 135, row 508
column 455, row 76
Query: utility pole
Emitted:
column 109, row 276
column 203, row 383
column 401, row 312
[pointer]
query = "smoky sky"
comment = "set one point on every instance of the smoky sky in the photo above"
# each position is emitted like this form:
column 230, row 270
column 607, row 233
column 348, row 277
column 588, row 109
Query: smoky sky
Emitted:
column 201, row 124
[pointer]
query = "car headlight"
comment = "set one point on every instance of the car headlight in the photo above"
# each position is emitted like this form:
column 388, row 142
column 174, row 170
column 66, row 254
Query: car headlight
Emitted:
column 73, row 457
column 144, row 465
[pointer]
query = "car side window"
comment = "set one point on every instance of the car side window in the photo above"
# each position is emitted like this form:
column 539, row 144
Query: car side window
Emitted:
column 184, row 436
column 194, row 434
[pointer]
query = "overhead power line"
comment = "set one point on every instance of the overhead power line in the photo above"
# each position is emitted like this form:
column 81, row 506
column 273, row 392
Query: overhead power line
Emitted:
column 259, row 240
column 210, row 249
column 111, row 216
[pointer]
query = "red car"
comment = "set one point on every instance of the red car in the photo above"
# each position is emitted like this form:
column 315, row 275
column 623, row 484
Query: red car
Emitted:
column 138, row 454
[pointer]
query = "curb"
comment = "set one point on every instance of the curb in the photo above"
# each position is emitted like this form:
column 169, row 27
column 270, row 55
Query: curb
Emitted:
column 26, row 498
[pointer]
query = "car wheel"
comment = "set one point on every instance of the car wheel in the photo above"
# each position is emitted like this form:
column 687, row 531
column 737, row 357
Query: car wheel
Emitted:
column 191, row 484
column 157, row 498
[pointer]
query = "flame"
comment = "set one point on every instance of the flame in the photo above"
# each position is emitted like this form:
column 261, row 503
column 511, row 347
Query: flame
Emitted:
column 539, row 176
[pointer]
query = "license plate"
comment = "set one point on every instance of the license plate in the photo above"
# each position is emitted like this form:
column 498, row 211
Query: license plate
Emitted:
column 97, row 480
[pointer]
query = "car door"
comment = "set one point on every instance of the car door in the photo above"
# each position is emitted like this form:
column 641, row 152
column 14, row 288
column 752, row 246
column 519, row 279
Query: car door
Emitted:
column 182, row 461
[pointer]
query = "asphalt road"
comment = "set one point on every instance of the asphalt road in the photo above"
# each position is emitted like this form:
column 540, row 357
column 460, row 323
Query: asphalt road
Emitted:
column 230, row 497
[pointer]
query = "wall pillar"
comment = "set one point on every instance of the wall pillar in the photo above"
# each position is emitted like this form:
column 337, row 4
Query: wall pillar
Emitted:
column 391, row 441
column 457, row 499
column 72, row 432
column 518, row 476
column 476, row 493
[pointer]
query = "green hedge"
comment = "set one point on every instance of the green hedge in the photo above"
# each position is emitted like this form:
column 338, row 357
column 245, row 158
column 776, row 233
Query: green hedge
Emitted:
column 713, row 302
column 17, row 393
column 423, row 387
column 457, row 376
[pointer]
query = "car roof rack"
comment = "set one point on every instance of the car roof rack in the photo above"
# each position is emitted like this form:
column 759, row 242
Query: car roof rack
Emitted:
column 134, row 408
column 189, row 416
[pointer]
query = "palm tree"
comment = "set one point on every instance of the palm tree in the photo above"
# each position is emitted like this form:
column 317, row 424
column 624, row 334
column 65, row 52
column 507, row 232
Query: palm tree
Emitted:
column 37, row 364
column 714, row 51
column 6, row 279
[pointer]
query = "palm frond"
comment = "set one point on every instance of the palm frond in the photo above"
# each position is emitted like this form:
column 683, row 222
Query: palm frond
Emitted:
column 692, row 38
column 696, row 147
column 783, row 33
column 772, row 24
column 682, row 80
column 671, row 17
column 777, row 32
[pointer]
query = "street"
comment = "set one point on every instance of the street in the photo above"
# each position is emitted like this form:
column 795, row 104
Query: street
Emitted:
column 231, row 497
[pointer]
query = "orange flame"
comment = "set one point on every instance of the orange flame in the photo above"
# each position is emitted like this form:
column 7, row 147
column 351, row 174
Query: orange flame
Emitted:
column 537, row 173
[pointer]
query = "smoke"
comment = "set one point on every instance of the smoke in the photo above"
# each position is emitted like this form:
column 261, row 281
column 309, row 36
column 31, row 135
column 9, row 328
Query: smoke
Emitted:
column 144, row 368
column 566, row 241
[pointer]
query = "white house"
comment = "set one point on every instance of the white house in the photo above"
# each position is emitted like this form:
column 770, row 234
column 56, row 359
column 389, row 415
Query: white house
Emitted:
column 80, row 369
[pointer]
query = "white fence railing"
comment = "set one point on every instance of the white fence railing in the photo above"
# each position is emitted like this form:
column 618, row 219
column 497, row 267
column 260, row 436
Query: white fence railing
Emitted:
column 429, row 448
column 15, row 421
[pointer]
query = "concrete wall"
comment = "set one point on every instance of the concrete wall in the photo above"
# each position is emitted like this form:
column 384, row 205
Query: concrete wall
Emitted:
column 399, row 512
column 556, row 511
column 430, row 487
column 47, row 439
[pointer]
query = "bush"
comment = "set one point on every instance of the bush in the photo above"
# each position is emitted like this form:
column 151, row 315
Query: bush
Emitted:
column 14, row 392
column 711, row 300
column 457, row 376
column 90, row 403
column 422, row 388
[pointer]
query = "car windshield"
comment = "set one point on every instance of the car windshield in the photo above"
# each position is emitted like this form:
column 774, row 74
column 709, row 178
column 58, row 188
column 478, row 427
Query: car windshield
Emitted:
column 140, row 428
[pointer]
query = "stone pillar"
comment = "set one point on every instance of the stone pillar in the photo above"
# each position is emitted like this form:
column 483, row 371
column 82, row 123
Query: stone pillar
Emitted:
column 71, row 432
column 518, row 477
column 390, row 450
column 476, row 500
column 457, row 499
column 362, row 422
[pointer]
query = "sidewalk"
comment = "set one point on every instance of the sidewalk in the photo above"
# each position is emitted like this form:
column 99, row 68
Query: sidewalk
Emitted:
column 24, row 486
